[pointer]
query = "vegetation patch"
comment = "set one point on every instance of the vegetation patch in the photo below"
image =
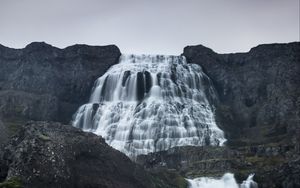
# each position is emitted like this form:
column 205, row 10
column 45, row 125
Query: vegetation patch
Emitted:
column 14, row 125
column 172, row 179
column 13, row 182
column 44, row 137
column 264, row 161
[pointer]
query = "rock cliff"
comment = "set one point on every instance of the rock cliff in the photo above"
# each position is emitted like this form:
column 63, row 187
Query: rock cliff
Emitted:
column 42, row 82
column 259, row 93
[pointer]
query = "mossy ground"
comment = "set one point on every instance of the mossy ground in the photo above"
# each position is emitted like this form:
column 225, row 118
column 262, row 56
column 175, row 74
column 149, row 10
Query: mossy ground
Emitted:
column 13, row 182
column 172, row 178
column 14, row 124
column 44, row 137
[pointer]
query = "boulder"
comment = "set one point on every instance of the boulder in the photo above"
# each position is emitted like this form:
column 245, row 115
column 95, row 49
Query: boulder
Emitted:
column 49, row 154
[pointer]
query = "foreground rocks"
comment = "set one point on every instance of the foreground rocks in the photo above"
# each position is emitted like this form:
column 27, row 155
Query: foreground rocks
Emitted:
column 42, row 82
column 46, row 154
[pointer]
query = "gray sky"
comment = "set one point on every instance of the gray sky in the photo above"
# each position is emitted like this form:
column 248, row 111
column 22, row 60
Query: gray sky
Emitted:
column 150, row 26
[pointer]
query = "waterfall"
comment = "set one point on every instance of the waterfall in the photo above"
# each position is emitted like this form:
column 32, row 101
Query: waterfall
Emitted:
column 226, row 181
column 149, row 103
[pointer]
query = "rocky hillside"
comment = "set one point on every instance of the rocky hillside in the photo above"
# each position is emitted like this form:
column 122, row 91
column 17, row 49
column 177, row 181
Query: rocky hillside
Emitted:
column 45, row 154
column 42, row 82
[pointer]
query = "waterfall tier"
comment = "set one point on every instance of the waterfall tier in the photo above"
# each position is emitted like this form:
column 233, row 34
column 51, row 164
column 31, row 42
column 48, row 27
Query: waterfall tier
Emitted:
column 150, row 103
column 226, row 181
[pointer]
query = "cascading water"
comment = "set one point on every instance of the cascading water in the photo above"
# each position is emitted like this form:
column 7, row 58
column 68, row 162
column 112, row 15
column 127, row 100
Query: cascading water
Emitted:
column 227, row 181
column 151, row 103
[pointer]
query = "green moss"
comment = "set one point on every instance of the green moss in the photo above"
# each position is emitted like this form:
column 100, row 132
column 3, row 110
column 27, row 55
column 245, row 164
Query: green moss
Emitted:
column 19, row 109
column 14, row 124
column 181, row 182
column 212, row 160
column 13, row 182
column 264, row 161
column 195, row 174
column 13, row 127
column 44, row 137
column 168, row 179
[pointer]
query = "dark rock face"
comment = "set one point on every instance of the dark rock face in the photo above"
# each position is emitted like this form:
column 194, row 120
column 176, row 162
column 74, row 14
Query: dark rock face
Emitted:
column 42, row 82
column 259, row 91
column 46, row 154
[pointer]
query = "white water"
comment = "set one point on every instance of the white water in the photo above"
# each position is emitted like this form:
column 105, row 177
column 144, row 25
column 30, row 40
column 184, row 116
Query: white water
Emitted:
column 151, row 103
column 226, row 181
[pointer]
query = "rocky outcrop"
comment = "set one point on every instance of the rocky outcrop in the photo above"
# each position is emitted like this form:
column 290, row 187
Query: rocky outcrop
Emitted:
column 259, row 91
column 46, row 154
column 42, row 82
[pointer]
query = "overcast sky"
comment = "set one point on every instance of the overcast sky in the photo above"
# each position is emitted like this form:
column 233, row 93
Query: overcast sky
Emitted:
column 150, row 26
